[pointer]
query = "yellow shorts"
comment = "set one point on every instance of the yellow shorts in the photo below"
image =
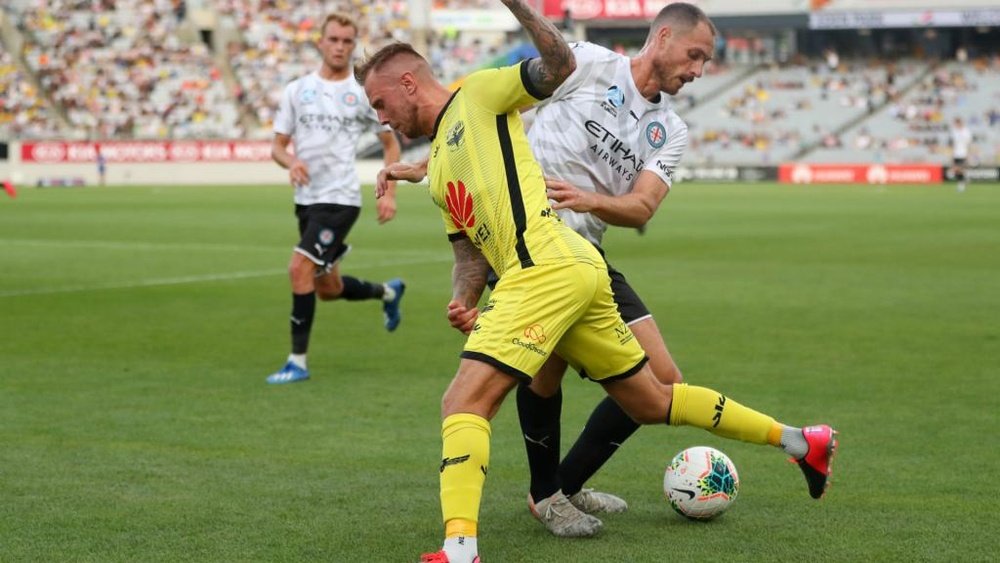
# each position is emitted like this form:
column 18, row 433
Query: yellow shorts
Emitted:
column 565, row 308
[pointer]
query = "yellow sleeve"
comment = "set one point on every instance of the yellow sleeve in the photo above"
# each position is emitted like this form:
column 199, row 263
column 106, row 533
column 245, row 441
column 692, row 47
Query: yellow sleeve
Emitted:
column 502, row 90
column 450, row 227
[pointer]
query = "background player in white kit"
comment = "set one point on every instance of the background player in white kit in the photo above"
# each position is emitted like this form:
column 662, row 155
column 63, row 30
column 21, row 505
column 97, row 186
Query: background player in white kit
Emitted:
column 961, row 140
column 322, row 114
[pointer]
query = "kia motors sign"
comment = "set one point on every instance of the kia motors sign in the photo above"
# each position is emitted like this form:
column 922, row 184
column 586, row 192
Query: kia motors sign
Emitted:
column 75, row 152
column 802, row 173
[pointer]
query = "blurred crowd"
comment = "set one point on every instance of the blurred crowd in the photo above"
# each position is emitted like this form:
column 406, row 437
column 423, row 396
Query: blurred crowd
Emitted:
column 782, row 110
column 119, row 69
column 101, row 69
column 23, row 111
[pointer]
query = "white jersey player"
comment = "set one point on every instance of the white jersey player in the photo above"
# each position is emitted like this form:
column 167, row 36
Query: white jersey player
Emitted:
column 323, row 114
column 326, row 118
column 599, row 133
column 608, row 143
column 961, row 141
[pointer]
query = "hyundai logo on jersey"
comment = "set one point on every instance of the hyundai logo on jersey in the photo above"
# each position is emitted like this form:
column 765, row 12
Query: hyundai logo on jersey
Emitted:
column 615, row 96
column 307, row 96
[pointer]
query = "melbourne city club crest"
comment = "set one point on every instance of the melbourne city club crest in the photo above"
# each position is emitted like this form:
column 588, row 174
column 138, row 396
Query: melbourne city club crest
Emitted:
column 656, row 134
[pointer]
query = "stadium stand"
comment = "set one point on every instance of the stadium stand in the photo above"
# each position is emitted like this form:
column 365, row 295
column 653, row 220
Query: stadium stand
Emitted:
column 199, row 69
column 127, row 69
column 914, row 127
column 24, row 112
column 779, row 112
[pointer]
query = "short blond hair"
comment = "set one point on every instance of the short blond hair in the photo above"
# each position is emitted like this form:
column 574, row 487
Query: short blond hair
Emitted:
column 340, row 19
column 382, row 56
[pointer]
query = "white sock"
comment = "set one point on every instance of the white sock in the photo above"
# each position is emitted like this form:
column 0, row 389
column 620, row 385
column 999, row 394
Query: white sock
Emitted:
column 793, row 442
column 961, row 186
column 461, row 549
column 298, row 359
column 388, row 293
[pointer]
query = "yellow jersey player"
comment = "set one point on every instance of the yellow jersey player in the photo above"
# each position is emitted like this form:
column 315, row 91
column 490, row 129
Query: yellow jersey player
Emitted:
column 554, row 293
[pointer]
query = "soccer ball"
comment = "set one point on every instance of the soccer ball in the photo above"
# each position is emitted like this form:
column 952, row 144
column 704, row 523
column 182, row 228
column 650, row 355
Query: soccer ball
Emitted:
column 701, row 483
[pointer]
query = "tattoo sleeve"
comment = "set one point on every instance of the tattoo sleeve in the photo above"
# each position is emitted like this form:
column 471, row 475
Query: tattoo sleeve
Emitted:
column 468, row 277
column 556, row 61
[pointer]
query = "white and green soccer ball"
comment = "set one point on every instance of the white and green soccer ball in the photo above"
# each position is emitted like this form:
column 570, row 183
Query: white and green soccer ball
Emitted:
column 701, row 483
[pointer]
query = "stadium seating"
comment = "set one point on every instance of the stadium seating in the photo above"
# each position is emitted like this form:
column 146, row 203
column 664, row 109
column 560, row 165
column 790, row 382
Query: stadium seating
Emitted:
column 915, row 126
column 127, row 70
column 779, row 112
column 24, row 112
column 171, row 69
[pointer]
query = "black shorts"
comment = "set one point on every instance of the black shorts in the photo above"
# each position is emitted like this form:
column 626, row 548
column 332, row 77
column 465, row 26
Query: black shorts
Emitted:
column 630, row 306
column 323, row 229
column 959, row 162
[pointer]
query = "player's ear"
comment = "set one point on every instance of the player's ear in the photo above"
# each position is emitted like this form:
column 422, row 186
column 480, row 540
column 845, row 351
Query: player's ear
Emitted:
column 408, row 82
column 664, row 35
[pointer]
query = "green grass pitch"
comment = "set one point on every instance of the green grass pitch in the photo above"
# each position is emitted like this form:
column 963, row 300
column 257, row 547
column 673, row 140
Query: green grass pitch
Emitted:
column 137, row 326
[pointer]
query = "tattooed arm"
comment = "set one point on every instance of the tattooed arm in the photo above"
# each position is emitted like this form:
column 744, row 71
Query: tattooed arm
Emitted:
column 556, row 61
column 468, row 279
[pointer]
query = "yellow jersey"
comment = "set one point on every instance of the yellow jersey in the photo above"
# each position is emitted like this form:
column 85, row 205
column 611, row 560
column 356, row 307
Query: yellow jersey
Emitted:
column 487, row 182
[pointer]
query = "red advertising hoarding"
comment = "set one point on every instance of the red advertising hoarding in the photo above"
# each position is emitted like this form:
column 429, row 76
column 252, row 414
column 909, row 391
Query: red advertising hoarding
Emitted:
column 76, row 152
column 801, row 173
column 602, row 9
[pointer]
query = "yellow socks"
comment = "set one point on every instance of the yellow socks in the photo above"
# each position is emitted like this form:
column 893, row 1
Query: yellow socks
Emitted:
column 713, row 411
column 465, row 458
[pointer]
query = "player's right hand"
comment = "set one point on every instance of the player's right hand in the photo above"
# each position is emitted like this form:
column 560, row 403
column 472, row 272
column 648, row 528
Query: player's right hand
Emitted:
column 461, row 317
column 298, row 173
column 399, row 171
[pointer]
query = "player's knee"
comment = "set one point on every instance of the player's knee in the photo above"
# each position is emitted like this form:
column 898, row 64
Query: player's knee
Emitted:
column 452, row 404
column 301, row 284
column 330, row 289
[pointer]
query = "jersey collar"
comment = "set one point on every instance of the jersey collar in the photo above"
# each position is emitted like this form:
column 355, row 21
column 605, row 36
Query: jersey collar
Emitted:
column 441, row 115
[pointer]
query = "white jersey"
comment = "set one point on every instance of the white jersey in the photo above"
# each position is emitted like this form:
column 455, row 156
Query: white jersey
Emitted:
column 961, row 138
column 324, row 118
column 599, row 133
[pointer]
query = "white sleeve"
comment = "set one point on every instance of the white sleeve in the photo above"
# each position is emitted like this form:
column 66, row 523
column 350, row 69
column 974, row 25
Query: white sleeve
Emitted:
column 587, row 55
column 665, row 161
column 284, row 119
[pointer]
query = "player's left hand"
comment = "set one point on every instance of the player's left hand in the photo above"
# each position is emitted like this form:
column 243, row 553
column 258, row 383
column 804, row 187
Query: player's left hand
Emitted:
column 461, row 317
column 568, row 196
column 386, row 209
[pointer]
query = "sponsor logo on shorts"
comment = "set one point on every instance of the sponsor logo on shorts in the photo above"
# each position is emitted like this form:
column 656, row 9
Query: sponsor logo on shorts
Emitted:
column 623, row 333
column 326, row 237
column 535, row 333
column 528, row 346
column 489, row 307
